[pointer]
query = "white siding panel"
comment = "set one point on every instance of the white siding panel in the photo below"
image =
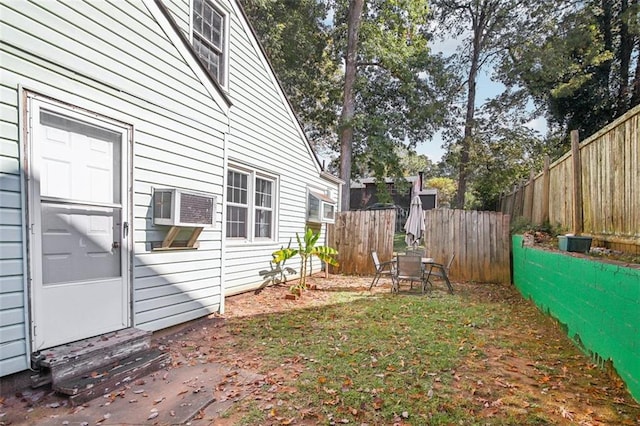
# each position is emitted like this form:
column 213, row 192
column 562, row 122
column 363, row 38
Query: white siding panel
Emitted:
column 10, row 267
column 11, row 300
column 10, row 216
column 11, row 349
column 158, row 178
column 8, row 131
column 10, row 250
column 156, row 282
column 178, row 297
column 108, row 100
column 9, row 182
column 8, row 148
column 174, row 268
column 11, row 233
column 9, row 165
column 12, row 332
column 199, row 157
column 171, row 169
column 11, row 283
column 10, row 199
column 15, row 364
column 8, row 113
column 199, row 307
column 12, row 317
column 150, row 295
column 113, row 59
column 180, row 11
column 8, row 95
column 178, row 256
column 191, row 312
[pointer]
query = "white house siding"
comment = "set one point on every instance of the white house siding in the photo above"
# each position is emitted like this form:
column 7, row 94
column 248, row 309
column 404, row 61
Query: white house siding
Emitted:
column 180, row 11
column 113, row 59
column 265, row 135
column 12, row 295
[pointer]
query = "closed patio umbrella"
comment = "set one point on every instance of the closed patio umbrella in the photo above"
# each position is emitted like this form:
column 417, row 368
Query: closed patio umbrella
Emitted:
column 415, row 222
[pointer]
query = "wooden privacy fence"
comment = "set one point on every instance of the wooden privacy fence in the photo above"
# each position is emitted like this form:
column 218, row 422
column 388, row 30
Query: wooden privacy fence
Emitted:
column 480, row 242
column 354, row 234
column 593, row 189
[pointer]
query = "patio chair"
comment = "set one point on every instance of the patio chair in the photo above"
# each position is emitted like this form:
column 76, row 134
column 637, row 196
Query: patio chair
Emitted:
column 383, row 269
column 409, row 268
column 416, row 252
column 439, row 270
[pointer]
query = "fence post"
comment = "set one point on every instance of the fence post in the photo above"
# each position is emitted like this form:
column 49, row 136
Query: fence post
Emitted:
column 577, row 183
column 529, row 200
column 513, row 201
column 546, row 182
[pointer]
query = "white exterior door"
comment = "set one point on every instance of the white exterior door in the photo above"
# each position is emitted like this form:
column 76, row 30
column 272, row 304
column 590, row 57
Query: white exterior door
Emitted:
column 79, row 255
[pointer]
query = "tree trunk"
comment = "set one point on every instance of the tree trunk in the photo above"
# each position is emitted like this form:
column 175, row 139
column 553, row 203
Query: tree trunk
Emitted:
column 635, row 95
column 626, row 47
column 348, row 106
column 463, row 168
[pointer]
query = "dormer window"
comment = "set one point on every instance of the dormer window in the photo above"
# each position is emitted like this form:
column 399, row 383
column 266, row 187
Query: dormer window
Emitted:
column 210, row 38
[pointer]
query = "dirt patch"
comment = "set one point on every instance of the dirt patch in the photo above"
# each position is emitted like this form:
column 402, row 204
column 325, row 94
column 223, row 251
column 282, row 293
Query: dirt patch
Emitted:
column 545, row 241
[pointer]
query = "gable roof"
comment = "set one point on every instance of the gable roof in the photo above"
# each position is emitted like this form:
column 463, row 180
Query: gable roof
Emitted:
column 256, row 42
column 184, row 46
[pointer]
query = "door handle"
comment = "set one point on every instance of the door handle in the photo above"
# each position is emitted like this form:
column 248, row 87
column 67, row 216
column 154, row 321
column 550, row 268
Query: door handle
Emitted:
column 115, row 245
column 125, row 229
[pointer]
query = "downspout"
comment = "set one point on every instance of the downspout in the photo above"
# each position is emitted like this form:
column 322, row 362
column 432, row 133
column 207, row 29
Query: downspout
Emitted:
column 223, row 245
column 23, row 126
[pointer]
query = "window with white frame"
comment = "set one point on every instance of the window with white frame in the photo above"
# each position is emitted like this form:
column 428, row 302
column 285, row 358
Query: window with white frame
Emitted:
column 320, row 207
column 250, row 205
column 209, row 38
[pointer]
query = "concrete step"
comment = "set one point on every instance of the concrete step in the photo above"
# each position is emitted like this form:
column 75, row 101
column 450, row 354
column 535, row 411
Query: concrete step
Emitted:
column 72, row 360
column 111, row 377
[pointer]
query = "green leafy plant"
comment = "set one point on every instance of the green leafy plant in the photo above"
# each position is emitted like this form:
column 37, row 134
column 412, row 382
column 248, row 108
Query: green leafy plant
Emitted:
column 307, row 249
column 277, row 272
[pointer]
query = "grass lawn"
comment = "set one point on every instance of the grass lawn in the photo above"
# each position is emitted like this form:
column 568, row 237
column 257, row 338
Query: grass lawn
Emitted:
column 475, row 357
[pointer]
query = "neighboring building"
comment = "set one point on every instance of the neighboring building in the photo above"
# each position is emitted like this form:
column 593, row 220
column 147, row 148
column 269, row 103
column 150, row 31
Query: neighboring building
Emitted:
column 364, row 194
column 149, row 165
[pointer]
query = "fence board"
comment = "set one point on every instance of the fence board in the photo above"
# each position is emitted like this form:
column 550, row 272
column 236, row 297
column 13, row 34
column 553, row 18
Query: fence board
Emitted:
column 354, row 234
column 479, row 241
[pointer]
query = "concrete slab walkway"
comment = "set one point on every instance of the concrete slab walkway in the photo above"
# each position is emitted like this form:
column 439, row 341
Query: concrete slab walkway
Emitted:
column 194, row 395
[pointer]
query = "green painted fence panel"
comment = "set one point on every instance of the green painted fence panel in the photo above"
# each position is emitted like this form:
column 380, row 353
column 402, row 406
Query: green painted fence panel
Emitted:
column 598, row 302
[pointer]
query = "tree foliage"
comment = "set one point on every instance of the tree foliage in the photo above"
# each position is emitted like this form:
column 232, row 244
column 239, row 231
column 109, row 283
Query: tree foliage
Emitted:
column 401, row 91
column 578, row 61
column 581, row 64
column 484, row 26
column 412, row 164
column 446, row 189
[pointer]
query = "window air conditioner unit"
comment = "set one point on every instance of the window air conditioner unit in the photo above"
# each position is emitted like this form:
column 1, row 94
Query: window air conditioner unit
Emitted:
column 179, row 207
column 320, row 208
